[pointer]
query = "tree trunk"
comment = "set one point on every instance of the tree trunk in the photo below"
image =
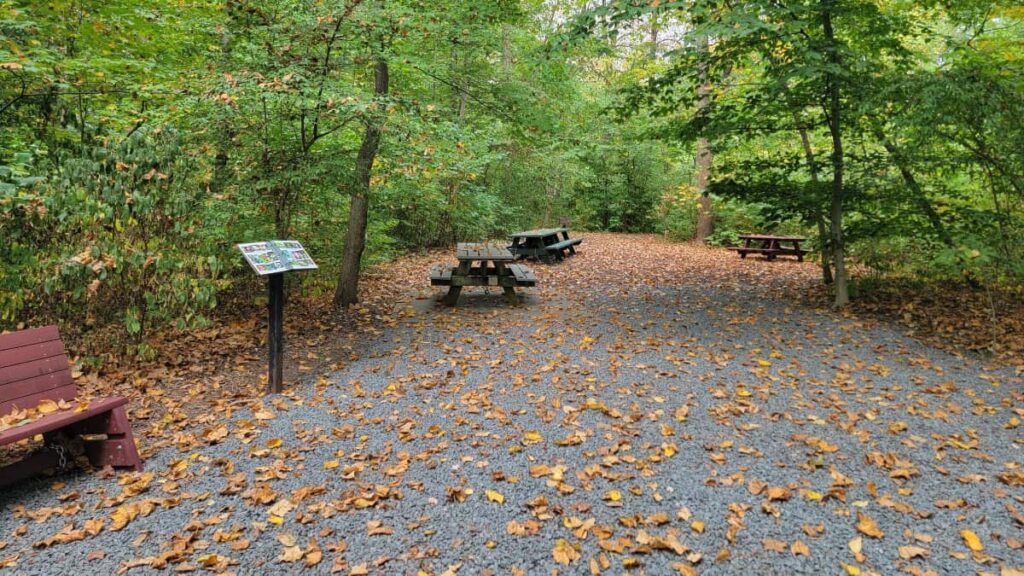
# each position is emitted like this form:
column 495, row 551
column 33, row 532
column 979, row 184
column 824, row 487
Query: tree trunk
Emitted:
column 920, row 198
column 705, row 216
column 653, row 51
column 819, row 218
column 835, row 129
column 347, row 291
column 506, row 50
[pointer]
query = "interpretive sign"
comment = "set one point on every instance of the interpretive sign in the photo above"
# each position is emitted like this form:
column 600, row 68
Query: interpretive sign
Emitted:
column 273, row 258
column 276, row 256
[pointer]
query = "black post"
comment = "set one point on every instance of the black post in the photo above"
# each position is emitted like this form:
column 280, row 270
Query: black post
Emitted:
column 275, row 337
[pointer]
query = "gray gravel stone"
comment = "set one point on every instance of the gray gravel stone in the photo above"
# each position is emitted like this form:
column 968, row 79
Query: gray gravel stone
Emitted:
column 458, row 391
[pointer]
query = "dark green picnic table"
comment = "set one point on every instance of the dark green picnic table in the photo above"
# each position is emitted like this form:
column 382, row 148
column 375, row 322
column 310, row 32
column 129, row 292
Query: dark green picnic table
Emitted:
column 543, row 243
column 493, row 267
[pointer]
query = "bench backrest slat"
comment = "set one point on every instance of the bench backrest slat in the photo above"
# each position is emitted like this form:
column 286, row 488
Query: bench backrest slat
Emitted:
column 33, row 367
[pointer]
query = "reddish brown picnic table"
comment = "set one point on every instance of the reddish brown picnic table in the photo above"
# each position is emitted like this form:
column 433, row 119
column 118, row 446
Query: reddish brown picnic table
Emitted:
column 771, row 246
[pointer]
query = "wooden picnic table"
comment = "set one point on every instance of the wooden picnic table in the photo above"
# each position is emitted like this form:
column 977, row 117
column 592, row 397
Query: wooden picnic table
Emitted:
column 493, row 268
column 771, row 246
column 543, row 243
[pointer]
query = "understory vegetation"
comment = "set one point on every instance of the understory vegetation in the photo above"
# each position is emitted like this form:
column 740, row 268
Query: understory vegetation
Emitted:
column 139, row 142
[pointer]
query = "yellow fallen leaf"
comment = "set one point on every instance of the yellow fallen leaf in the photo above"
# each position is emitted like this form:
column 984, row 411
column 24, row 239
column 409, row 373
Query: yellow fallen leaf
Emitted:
column 851, row 570
column 47, row 407
column 972, row 540
column 743, row 392
column 812, row 495
column 532, row 436
column 495, row 496
column 274, row 443
column 697, row 526
column 856, row 545
column 613, row 496
column 331, row 464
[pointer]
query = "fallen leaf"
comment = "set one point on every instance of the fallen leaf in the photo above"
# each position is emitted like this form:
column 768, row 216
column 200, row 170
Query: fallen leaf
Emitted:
column 972, row 540
column 867, row 526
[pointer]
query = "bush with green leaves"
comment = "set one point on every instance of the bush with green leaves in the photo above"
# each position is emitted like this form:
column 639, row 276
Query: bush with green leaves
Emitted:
column 114, row 237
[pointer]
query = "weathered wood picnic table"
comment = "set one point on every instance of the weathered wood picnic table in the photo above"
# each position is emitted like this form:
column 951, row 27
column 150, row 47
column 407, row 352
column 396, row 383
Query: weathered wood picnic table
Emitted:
column 771, row 246
column 543, row 243
column 494, row 268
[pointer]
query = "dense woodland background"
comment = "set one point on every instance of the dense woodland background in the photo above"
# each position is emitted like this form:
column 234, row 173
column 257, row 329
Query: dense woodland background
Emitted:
column 139, row 141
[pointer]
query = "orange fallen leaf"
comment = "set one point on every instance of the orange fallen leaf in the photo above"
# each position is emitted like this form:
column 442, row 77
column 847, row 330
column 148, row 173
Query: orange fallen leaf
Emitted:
column 564, row 552
column 909, row 552
column 867, row 526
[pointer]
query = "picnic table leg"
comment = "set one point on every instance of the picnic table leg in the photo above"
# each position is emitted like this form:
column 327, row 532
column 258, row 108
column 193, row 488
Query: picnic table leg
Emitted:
column 548, row 256
column 510, row 292
column 452, row 298
column 746, row 244
column 565, row 236
column 799, row 254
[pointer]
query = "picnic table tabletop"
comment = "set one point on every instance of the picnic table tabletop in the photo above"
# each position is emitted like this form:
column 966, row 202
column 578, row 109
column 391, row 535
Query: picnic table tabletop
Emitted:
column 482, row 251
column 538, row 233
column 771, row 237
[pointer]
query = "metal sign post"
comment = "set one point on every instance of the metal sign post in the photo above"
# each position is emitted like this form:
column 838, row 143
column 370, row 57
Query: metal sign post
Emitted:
column 273, row 259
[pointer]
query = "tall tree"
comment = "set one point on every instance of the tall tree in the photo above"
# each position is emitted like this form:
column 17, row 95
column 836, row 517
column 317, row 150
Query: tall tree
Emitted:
column 705, row 217
column 347, row 291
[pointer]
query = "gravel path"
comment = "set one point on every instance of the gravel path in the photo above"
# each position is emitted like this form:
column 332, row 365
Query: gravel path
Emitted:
column 653, row 430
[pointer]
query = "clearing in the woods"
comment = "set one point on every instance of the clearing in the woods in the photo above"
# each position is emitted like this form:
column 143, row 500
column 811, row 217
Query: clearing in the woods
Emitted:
column 650, row 408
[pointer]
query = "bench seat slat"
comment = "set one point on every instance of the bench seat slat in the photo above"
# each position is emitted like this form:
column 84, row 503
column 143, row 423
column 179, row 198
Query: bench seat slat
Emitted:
column 34, row 369
column 22, row 354
column 32, row 400
column 13, row 392
column 28, row 337
column 565, row 244
column 59, row 420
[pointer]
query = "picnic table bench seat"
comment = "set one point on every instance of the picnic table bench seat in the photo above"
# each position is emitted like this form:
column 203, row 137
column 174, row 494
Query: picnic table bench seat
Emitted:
column 523, row 275
column 441, row 275
column 34, row 367
column 752, row 250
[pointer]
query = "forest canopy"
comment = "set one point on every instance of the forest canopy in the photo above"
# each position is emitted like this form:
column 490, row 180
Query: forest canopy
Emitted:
column 140, row 141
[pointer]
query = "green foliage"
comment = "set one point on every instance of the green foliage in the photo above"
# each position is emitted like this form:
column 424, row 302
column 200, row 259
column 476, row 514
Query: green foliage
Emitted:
column 112, row 237
column 139, row 143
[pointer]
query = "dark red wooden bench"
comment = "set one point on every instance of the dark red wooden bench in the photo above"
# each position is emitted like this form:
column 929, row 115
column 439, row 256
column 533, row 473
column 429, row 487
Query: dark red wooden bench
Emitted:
column 33, row 368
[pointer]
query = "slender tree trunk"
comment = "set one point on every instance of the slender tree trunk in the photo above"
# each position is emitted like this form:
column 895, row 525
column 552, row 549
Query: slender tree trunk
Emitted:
column 705, row 216
column 920, row 198
column 506, row 49
column 347, row 291
column 835, row 128
column 819, row 218
column 653, row 52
